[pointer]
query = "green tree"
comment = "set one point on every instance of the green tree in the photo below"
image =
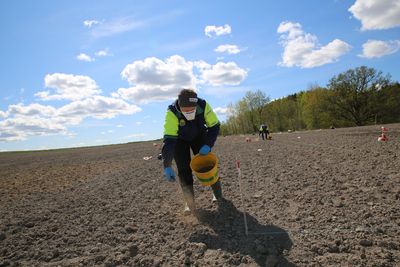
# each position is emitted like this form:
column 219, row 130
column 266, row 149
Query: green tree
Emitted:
column 356, row 97
column 255, row 102
column 389, row 104
column 314, row 104
column 354, row 94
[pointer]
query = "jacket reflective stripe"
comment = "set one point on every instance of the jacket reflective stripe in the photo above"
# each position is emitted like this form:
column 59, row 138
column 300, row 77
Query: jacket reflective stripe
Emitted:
column 171, row 124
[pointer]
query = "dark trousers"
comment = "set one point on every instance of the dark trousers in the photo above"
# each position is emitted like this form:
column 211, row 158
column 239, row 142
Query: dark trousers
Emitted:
column 264, row 135
column 182, row 159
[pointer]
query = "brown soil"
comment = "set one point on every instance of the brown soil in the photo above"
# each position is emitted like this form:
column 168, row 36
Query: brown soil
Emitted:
column 317, row 198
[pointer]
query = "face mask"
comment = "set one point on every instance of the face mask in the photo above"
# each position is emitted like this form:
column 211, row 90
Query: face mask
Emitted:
column 189, row 115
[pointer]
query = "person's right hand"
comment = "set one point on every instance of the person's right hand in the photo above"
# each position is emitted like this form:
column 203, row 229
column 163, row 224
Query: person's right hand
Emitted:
column 169, row 174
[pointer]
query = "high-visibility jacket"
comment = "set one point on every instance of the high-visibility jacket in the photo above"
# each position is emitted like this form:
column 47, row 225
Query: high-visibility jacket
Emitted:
column 176, row 127
column 263, row 128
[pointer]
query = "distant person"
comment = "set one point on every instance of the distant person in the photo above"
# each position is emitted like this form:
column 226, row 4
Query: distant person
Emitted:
column 190, row 123
column 263, row 131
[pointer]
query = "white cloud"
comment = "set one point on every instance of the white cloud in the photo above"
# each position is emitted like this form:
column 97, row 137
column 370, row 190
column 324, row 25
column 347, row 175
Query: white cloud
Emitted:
column 20, row 127
column 201, row 65
column 68, row 86
column 221, row 111
column 102, row 53
column 31, row 110
column 84, row 57
column 90, row 23
column 99, row 107
column 302, row 49
column 154, row 79
column 377, row 14
column 39, row 120
column 117, row 26
column 227, row 48
column 139, row 123
column 211, row 30
column 8, row 136
column 3, row 114
column 23, row 121
column 224, row 74
column 377, row 48
column 120, row 126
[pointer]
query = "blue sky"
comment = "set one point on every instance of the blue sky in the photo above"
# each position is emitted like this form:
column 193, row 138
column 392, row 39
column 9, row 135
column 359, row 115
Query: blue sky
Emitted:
column 83, row 73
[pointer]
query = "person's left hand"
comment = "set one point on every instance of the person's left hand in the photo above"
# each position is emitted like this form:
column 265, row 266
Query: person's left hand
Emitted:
column 204, row 150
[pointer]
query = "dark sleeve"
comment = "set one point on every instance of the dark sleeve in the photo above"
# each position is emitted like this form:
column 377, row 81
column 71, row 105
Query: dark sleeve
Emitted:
column 211, row 135
column 168, row 151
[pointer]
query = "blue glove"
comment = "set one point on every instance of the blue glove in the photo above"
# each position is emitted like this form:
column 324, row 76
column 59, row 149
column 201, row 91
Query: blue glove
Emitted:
column 204, row 150
column 169, row 174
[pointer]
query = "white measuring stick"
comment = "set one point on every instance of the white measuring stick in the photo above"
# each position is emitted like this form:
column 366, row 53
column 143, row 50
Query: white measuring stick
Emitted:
column 241, row 196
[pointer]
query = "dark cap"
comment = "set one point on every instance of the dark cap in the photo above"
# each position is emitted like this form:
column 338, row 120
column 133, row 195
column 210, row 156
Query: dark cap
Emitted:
column 187, row 98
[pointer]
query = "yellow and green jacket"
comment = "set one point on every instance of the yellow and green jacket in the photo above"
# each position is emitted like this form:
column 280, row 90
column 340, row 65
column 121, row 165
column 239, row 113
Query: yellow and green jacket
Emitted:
column 263, row 129
column 176, row 127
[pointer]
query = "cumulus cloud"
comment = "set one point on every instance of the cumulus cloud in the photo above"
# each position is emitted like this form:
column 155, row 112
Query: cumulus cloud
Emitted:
column 212, row 30
column 224, row 74
column 32, row 125
column 227, row 48
column 377, row 48
column 38, row 120
column 7, row 136
column 201, row 65
column 3, row 114
column 33, row 109
column 153, row 79
column 90, row 23
column 99, row 107
column 68, row 87
column 84, row 57
column 22, row 121
column 377, row 14
column 20, row 127
column 302, row 49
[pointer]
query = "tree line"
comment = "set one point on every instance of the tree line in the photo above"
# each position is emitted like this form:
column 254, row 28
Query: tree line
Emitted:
column 356, row 97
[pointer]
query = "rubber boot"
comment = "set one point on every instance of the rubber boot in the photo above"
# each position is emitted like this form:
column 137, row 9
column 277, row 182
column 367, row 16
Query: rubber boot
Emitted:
column 188, row 196
column 217, row 191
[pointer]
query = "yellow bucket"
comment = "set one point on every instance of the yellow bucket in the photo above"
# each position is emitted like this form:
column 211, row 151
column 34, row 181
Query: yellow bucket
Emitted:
column 205, row 168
